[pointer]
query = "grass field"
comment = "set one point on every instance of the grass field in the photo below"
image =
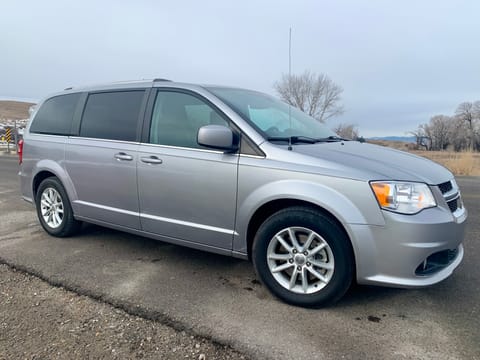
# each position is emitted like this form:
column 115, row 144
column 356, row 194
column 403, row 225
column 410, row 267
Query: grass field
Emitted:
column 460, row 163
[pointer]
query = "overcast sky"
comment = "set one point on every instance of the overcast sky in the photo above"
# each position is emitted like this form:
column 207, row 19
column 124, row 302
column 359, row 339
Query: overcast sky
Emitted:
column 399, row 62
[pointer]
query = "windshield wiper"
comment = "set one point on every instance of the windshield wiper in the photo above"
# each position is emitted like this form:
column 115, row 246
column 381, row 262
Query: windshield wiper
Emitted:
column 293, row 139
column 332, row 138
column 305, row 139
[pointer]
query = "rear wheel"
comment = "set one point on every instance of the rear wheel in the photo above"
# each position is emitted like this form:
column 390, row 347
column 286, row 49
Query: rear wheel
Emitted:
column 54, row 210
column 303, row 257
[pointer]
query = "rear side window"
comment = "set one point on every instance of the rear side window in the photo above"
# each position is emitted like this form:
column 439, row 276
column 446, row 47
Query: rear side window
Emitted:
column 112, row 115
column 55, row 116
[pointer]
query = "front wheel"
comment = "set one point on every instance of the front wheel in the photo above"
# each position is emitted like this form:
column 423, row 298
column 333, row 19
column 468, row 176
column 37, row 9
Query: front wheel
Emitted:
column 54, row 210
column 303, row 257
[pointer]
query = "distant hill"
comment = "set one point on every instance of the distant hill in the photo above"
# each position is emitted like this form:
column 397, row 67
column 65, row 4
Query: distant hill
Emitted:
column 407, row 139
column 14, row 110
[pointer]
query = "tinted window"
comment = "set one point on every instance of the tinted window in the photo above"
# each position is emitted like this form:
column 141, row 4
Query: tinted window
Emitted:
column 55, row 115
column 177, row 117
column 112, row 115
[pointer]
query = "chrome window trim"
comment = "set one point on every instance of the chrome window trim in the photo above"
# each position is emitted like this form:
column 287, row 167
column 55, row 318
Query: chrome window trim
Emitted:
column 253, row 156
column 32, row 135
column 185, row 148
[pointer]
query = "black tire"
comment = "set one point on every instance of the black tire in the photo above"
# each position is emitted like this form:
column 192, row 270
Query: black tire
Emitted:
column 68, row 225
column 340, row 277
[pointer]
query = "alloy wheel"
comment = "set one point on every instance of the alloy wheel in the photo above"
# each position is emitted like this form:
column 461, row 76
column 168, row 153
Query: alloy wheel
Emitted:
column 300, row 260
column 51, row 206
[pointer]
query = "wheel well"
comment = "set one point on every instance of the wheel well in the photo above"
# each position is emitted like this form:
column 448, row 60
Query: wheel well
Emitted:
column 42, row 175
column 268, row 209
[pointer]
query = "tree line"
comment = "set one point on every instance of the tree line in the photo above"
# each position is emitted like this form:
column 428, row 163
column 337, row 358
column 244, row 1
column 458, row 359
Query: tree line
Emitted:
column 318, row 96
column 458, row 132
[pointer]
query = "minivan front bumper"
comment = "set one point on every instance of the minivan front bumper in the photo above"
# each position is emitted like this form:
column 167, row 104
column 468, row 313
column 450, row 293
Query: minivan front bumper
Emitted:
column 409, row 250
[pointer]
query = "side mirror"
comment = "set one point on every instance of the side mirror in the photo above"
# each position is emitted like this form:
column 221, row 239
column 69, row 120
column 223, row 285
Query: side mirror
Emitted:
column 217, row 137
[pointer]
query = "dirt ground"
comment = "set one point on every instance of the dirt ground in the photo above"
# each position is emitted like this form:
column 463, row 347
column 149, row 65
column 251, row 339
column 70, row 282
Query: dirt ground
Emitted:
column 39, row 321
column 14, row 110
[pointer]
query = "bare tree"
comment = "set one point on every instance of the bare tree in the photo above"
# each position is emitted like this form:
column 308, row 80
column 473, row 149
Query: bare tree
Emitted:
column 459, row 134
column 461, row 131
column 347, row 131
column 427, row 136
column 421, row 137
column 476, row 109
column 466, row 112
column 439, row 131
column 436, row 135
column 476, row 124
column 443, row 131
column 316, row 95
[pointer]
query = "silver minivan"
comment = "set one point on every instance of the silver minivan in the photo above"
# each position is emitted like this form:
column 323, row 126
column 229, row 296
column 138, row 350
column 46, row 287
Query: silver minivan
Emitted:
column 239, row 173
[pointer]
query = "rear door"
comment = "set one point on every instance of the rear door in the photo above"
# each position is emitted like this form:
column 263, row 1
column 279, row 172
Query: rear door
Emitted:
column 186, row 191
column 102, row 159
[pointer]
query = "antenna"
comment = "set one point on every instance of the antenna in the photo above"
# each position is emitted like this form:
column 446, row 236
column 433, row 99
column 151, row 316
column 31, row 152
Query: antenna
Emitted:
column 290, row 53
column 289, row 81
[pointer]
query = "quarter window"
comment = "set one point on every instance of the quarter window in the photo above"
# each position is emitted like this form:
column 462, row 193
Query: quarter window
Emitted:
column 177, row 117
column 55, row 116
column 112, row 115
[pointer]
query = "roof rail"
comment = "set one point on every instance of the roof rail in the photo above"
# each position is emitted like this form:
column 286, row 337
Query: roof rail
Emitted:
column 160, row 79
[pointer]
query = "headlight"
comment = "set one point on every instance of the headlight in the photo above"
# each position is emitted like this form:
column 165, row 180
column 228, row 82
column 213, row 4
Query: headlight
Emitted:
column 403, row 197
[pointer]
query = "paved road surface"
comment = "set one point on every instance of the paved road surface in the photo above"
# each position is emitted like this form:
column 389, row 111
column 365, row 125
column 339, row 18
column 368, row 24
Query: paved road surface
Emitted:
column 219, row 297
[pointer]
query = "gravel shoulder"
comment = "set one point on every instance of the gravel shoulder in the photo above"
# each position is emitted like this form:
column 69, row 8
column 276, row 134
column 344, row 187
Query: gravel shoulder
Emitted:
column 40, row 321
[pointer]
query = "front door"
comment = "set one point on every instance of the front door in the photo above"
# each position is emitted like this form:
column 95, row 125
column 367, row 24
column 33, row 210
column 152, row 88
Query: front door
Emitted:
column 186, row 191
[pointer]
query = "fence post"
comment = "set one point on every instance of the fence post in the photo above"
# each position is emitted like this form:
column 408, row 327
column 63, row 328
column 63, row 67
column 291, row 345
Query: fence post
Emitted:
column 15, row 135
column 8, row 134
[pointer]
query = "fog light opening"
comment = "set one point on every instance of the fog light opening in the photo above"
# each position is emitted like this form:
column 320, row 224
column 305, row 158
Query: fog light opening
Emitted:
column 436, row 262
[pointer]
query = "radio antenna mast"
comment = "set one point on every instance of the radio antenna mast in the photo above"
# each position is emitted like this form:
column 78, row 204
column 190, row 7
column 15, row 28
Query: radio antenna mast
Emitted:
column 289, row 82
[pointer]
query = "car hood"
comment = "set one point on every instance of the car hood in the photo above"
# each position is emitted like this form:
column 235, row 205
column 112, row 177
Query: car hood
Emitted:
column 377, row 162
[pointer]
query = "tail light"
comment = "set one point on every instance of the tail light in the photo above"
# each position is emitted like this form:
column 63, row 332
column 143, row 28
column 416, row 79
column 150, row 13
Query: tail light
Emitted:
column 20, row 151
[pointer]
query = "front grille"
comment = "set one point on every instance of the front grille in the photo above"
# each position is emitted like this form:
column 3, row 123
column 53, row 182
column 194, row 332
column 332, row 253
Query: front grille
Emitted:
column 436, row 262
column 445, row 187
column 453, row 205
column 451, row 195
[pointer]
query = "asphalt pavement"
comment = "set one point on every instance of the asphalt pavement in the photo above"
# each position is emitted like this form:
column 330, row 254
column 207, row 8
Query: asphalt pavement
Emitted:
column 220, row 298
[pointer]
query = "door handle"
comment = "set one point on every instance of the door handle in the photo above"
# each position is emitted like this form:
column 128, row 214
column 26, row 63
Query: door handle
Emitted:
column 123, row 156
column 151, row 160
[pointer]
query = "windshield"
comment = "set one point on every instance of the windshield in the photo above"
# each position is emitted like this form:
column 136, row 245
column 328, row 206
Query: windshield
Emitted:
column 270, row 116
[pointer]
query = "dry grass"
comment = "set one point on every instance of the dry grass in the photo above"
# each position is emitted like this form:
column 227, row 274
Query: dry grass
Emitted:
column 14, row 110
column 460, row 163
column 399, row 145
